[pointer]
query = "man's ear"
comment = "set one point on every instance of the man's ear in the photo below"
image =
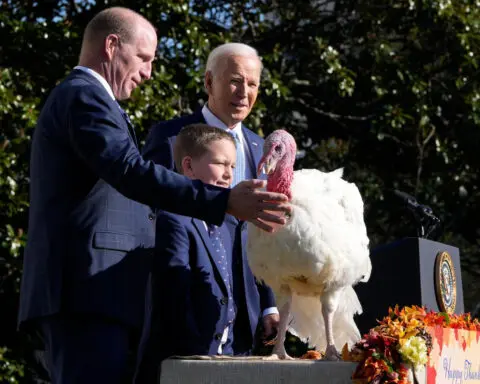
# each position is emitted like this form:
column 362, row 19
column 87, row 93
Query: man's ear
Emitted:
column 208, row 81
column 112, row 43
column 187, row 167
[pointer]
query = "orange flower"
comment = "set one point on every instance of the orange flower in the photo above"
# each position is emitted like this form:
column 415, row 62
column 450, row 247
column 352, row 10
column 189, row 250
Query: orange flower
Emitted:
column 379, row 361
column 312, row 355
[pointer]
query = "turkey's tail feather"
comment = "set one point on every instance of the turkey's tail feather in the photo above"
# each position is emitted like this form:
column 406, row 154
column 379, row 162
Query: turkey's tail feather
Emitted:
column 309, row 326
column 337, row 172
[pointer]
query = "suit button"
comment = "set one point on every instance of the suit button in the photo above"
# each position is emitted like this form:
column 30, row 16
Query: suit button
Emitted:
column 218, row 336
column 223, row 300
column 151, row 217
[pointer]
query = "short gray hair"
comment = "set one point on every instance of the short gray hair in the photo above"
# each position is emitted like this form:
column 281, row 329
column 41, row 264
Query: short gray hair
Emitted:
column 230, row 49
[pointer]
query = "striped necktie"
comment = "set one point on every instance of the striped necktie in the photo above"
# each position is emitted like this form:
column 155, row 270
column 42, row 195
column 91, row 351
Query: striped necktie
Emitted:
column 239, row 171
column 224, row 263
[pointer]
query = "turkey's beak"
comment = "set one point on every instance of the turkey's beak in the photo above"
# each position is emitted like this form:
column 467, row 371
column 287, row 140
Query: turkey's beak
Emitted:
column 269, row 166
column 261, row 166
column 266, row 166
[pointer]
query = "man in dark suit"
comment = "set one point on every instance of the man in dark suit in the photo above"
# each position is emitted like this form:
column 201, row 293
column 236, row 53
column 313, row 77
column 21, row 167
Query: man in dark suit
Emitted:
column 232, row 78
column 87, row 256
column 195, row 300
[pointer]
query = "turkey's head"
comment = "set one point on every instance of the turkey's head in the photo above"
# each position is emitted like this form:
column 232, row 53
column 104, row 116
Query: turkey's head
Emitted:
column 279, row 152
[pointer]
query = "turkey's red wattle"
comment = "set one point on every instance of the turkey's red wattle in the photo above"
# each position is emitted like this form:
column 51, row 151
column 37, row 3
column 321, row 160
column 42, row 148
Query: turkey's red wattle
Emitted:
column 281, row 180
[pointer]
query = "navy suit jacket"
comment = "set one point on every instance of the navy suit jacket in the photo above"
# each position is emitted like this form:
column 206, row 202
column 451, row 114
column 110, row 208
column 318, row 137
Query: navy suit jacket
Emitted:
column 188, row 311
column 90, row 240
column 159, row 148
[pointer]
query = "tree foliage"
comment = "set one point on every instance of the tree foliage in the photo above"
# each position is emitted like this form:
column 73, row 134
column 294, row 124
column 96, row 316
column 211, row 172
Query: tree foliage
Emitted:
column 388, row 89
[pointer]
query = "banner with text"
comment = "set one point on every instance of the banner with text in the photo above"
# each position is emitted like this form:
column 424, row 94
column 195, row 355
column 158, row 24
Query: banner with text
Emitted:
column 455, row 357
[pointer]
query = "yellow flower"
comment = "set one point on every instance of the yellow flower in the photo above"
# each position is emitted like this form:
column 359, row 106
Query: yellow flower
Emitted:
column 414, row 351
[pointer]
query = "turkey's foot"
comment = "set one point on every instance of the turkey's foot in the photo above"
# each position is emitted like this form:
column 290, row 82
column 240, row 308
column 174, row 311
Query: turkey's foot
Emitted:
column 279, row 352
column 331, row 354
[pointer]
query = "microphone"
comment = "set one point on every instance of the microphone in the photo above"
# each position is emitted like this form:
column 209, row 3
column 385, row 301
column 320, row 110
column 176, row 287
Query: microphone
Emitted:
column 417, row 208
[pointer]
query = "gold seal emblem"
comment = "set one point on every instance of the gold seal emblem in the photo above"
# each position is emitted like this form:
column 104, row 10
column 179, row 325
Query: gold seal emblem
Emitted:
column 445, row 283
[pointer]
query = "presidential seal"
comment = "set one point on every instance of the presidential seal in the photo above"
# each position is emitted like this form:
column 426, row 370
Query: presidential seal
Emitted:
column 445, row 283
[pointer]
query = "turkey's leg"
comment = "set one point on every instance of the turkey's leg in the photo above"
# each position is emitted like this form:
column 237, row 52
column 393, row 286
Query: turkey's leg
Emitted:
column 279, row 352
column 329, row 306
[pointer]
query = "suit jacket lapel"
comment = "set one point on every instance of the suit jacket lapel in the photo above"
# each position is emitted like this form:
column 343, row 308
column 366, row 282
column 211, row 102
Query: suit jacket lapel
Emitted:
column 93, row 80
column 198, row 116
column 255, row 149
column 202, row 231
column 131, row 131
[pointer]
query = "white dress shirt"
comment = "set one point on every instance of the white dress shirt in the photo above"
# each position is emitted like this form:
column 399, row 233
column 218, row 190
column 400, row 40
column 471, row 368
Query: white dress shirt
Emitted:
column 99, row 77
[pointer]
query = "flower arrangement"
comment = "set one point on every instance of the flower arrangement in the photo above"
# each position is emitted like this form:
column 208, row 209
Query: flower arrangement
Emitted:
column 400, row 341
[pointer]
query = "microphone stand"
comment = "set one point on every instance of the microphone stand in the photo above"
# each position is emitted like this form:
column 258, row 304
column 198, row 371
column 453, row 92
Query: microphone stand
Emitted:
column 426, row 224
column 426, row 221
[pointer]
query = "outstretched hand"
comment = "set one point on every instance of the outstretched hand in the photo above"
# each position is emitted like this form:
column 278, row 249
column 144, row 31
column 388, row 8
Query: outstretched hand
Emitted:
column 270, row 328
column 249, row 203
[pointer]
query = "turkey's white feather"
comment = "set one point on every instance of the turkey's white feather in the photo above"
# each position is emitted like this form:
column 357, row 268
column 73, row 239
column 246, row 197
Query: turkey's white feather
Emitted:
column 323, row 248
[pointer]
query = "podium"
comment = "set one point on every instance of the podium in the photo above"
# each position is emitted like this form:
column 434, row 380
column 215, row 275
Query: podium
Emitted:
column 411, row 271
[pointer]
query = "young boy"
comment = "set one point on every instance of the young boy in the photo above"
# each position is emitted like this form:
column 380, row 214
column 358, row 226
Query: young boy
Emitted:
column 204, row 298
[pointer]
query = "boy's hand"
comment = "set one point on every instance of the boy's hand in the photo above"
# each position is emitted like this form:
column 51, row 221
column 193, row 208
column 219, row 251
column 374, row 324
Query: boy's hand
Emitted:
column 270, row 328
column 247, row 202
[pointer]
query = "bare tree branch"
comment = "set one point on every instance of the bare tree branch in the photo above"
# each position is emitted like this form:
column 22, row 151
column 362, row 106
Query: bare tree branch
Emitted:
column 334, row 116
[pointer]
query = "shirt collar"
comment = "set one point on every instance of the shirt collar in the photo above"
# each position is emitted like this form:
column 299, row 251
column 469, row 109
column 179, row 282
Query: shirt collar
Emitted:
column 99, row 77
column 214, row 121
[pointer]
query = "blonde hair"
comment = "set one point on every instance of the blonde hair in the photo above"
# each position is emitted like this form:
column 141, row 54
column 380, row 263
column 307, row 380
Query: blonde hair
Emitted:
column 193, row 140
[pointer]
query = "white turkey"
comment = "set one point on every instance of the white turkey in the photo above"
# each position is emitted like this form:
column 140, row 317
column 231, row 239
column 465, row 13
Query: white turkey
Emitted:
column 313, row 261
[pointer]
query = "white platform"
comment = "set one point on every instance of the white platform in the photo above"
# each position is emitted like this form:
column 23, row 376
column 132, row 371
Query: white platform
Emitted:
column 240, row 371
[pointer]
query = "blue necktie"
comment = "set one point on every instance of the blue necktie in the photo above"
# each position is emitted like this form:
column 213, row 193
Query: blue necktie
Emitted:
column 239, row 171
column 129, row 122
column 222, row 260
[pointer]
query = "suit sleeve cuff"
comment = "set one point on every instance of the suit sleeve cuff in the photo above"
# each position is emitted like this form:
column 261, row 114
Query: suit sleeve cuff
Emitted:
column 269, row 311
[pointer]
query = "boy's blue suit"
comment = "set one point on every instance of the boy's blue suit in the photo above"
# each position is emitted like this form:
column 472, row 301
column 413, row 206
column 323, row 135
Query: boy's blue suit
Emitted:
column 89, row 240
column 204, row 317
column 188, row 311
column 159, row 148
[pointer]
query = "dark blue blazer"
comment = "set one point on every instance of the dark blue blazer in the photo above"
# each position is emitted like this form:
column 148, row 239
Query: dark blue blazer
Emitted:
column 90, row 239
column 188, row 310
column 159, row 148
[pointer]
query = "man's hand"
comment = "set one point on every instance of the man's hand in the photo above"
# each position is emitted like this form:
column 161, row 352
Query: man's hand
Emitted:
column 270, row 327
column 247, row 202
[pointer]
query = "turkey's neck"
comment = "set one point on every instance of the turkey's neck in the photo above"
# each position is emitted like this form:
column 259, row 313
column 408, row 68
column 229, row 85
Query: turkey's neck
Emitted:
column 281, row 180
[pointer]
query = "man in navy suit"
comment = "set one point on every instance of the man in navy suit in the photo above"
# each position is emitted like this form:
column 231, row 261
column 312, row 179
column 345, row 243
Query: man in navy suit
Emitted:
column 87, row 256
column 232, row 78
column 194, row 298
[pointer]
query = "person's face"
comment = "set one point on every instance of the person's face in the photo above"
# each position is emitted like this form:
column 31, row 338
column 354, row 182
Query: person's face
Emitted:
column 232, row 90
column 215, row 166
column 131, row 62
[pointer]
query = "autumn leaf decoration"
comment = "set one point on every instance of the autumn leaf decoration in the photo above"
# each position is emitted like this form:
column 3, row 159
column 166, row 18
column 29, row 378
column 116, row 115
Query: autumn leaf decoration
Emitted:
column 399, row 341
